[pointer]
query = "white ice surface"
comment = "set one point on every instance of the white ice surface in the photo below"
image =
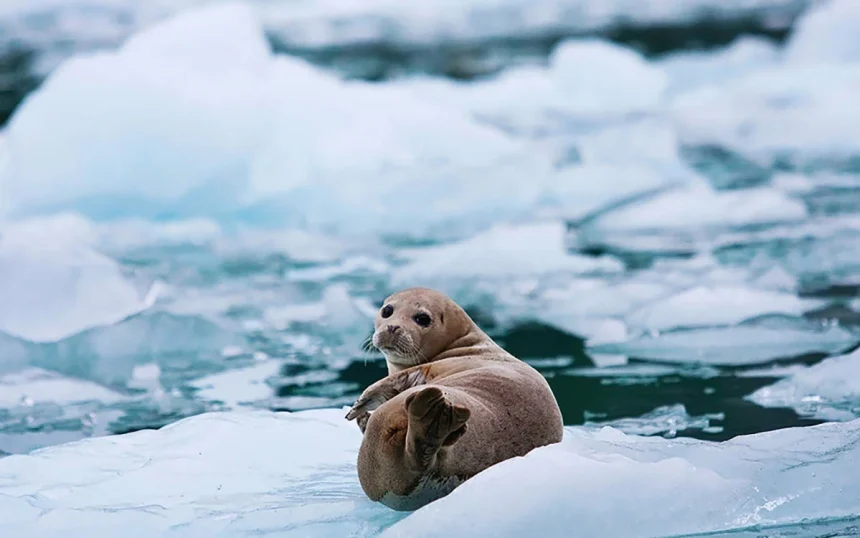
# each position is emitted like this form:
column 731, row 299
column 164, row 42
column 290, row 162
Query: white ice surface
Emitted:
column 717, row 305
column 737, row 345
column 587, row 81
column 829, row 390
column 234, row 388
column 826, row 33
column 53, row 285
column 259, row 473
column 522, row 251
column 609, row 484
column 693, row 69
column 35, row 386
column 696, row 207
column 179, row 124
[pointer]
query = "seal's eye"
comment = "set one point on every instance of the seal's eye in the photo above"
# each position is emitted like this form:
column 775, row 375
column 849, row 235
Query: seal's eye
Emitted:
column 422, row 319
column 387, row 310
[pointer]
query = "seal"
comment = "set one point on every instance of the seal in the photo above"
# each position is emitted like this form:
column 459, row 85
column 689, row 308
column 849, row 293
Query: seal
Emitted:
column 453, row 404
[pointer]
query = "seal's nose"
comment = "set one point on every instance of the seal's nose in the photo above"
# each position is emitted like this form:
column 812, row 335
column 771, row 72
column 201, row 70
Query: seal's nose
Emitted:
column 393, row 328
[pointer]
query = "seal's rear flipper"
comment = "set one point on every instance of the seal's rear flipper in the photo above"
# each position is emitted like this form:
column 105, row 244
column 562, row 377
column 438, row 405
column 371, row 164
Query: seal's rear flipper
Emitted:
column 434, row 422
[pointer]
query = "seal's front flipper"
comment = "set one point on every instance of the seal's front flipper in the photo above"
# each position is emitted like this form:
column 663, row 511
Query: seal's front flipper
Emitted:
column 434, row 422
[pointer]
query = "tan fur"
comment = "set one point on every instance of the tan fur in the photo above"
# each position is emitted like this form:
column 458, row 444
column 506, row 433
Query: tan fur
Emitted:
column 454, row 403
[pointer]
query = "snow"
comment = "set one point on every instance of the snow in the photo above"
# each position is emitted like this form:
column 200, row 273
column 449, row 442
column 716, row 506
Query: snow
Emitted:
column 160, row 130
column 717, row 305
column 54, row 286
column 829, row 390
column 227, row 474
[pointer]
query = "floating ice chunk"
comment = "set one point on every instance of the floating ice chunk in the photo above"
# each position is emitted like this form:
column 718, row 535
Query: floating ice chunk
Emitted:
column 503, row 252
column 53, row 286
column 357, row 157
column 587, row 306
column 601, row 78
column 297, row 245
column 790, row 115
column 233, row 474
column 127, row 234
column 588, row 81
column 692, row 69
column 717, row 305
column 236, row 387
column 110, row 354
column 579, row 191
column 826, row 33
column 34, row 386
column 680, row 218
column 337, row 311
column 666, row 421
column 830, row 390
column 245, row 471
column 697, row 206
column 165, row 125
column 197, row 38
column 739, row 345
column 692, row 487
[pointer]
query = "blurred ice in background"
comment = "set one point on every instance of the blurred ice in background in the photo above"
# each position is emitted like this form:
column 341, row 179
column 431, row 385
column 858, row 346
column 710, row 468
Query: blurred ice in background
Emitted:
column 202, row 204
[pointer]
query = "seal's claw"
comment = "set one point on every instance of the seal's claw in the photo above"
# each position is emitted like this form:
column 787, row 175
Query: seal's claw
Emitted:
column 355, row 411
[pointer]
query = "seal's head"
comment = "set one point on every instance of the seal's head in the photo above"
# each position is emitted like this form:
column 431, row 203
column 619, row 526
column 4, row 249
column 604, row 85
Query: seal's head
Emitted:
column 417, row 325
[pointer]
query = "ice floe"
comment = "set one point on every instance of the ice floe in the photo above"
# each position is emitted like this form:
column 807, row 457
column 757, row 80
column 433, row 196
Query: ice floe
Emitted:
column 736, row 484
column 523, row 251
column 757, row 341
column 587, row 83
column 826, row 33
column 829, row 390
column 722, row 305
column 243, row 473
column 54, row 286
column 688, row 216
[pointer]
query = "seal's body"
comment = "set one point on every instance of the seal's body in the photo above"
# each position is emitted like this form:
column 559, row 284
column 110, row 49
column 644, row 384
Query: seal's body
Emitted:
column 453, row 404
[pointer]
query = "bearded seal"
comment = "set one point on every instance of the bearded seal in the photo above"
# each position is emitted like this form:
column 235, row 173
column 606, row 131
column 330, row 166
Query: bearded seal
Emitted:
column 453, row 404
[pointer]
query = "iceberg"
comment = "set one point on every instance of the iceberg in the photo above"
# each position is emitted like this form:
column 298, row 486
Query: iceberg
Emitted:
column 259, row 473
column 176, row 124
column 54, row 285
column 134, row 141
column 829, row 390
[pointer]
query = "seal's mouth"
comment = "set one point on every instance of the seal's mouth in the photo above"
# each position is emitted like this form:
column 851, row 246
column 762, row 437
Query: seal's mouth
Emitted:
column 397, row 348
